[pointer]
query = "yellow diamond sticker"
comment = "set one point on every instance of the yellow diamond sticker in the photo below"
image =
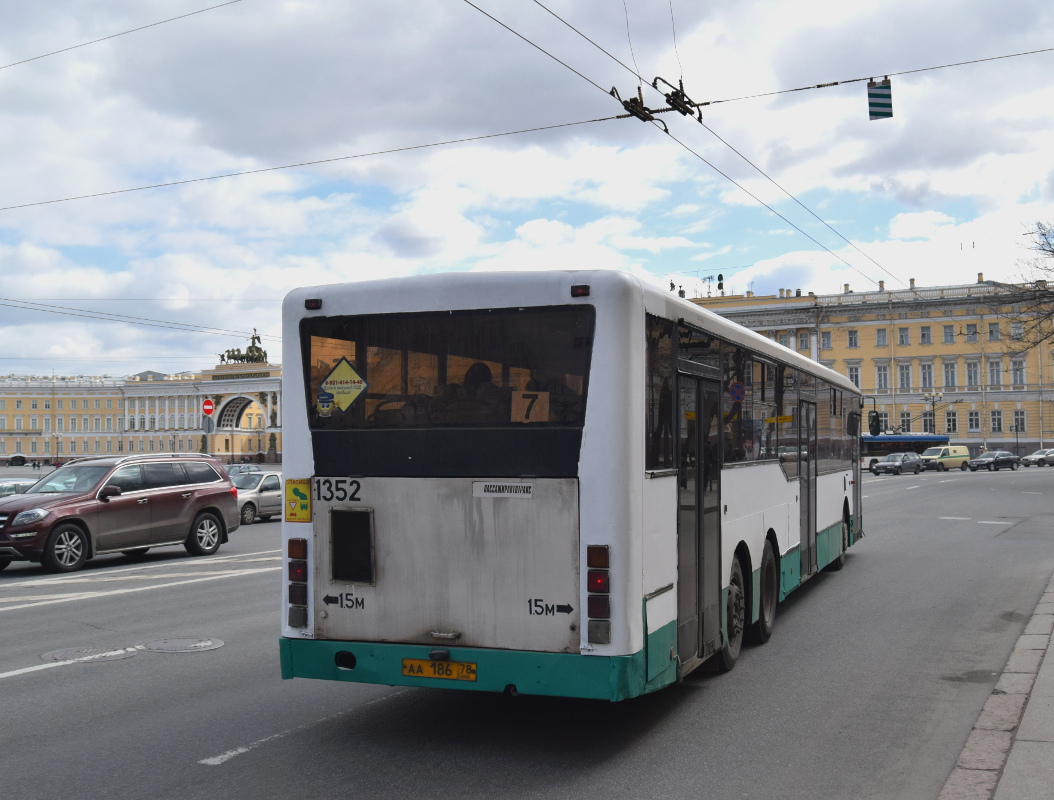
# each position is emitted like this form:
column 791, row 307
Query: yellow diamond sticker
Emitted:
column 298, row 500
column 341, row 388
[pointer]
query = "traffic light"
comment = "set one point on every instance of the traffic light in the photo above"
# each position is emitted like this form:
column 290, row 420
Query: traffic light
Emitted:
column 874, row 425
column 720, row 282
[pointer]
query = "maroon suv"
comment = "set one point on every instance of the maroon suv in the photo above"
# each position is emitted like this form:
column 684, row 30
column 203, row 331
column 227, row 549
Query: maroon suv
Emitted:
column 119, row 505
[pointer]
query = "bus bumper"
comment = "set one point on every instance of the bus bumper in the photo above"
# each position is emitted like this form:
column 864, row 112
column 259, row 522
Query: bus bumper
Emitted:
column 555, row 674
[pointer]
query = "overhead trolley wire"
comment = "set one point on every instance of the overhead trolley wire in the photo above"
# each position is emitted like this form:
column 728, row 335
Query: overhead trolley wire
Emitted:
column 122, row 33
column 390, row 151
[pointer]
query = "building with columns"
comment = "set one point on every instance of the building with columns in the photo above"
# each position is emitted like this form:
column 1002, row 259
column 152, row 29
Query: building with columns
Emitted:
column 52, row 419
column 943, row 359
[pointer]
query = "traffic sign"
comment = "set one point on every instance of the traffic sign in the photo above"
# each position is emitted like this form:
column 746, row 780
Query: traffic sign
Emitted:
column 207, row 407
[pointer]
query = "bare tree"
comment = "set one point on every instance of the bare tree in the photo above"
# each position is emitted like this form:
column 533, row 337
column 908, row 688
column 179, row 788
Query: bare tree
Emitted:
column 1029, row 305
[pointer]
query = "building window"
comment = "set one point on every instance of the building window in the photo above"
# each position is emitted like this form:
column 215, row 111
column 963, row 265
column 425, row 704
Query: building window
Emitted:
column 883, row 420
column 995, row 373
column 971, row 333
column 109, row 403
column 854, row 339
column 927, row 422
column 905, row 422
column 1017, row 331
column 924, row 335
column 98, row 404
column 47, row 405
column 1019, row 421
column 803, row 341
column 993, row 331
column 854, row 375
column 973, row 421
column 109, row 445
column 949, row 375
column 951, row 422
column 926, row 376
column 73, row 445
column 33, row 423
column 904, row 371
column 881, row 377
column 973, row 374
column 825, row 340
column 1017, row 372
column 18, row 405
column 783, row 339
column 903, row 336
column 880, row 337
column 997, row 421
column 58, row 423
column 18, row 423
column 949, row 334
column 58, row 405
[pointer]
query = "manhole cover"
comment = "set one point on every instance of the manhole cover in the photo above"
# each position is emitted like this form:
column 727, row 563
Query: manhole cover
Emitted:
column 89, row 654
column 182, row 645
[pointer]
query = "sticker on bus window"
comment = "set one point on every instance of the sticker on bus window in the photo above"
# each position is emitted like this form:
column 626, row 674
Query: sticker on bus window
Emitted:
column 341, row 388
column 530, row 406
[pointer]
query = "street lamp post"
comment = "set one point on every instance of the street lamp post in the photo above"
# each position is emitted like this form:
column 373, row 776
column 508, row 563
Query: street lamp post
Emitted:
column 1017, row 435
column 933, row 398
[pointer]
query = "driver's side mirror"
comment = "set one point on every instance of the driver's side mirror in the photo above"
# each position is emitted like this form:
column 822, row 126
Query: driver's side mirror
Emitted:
column 109, row 491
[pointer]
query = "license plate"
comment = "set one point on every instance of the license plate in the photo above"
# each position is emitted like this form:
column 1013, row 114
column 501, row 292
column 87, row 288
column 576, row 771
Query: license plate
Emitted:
column 447, row 670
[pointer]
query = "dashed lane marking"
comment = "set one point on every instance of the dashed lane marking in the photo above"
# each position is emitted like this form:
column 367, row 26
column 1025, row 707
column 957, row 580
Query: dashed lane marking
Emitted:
column 113, row 592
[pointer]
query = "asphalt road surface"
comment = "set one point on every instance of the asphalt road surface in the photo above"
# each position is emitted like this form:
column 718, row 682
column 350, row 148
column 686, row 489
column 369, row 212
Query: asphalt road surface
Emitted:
column 867, row 689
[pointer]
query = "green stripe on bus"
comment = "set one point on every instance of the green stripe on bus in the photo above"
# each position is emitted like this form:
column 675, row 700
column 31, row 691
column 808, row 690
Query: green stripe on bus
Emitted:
column 555, row 674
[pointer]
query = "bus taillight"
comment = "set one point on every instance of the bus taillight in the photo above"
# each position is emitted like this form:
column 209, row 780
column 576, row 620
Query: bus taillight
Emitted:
column 598, row 584
column 296, row 550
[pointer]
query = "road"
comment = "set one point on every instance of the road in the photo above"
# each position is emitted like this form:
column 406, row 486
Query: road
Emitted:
column 867, row 689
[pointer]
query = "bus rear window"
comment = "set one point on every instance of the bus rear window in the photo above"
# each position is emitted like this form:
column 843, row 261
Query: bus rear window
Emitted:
column 491, row 368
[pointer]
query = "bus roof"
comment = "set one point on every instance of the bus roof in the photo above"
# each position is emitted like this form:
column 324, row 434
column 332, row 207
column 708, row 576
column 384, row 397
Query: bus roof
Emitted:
column 917, row 438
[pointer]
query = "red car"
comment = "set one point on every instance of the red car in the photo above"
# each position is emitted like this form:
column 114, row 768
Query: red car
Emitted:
column 119, row 504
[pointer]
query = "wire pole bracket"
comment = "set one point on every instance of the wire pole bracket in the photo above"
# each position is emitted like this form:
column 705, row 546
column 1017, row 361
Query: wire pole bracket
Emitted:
column 678, row 100
column 635, row 108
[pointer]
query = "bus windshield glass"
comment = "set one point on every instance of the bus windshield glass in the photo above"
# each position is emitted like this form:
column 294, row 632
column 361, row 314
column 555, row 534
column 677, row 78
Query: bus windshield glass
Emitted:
column 514, row 367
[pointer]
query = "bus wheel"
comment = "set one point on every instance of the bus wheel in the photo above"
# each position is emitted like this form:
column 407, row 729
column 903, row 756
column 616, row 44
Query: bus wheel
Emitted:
column 761, row 630
column 735, row 610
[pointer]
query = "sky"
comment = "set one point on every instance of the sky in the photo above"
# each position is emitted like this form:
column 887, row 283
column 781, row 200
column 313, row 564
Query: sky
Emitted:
column 788, row 190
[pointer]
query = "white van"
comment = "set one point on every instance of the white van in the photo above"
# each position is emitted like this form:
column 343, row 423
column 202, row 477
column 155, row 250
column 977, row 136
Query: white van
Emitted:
column 946, row 457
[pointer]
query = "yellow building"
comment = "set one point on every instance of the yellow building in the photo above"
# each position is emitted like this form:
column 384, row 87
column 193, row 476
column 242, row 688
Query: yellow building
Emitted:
column 53, row 419
column 946, row 359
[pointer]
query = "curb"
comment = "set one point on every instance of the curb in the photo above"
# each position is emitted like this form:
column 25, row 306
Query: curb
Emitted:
column 983, row 758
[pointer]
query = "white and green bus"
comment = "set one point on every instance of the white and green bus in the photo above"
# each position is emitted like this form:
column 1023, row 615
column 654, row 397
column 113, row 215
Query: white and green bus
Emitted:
column 563, row 483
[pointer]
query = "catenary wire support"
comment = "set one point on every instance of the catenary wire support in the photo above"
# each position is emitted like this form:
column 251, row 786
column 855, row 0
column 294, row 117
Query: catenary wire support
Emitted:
column 636, row 108
column 678, row 100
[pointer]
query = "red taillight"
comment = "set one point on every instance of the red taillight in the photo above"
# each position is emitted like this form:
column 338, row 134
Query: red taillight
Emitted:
column 298, row 571
column 234, row 491
column 597, row 581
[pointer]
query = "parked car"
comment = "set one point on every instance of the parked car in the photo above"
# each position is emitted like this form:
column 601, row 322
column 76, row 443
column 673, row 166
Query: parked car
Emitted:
column 896, row 463
column 241, row 469
column 1040, row 458
column 994, row 460
column 15, row 486
column 946, row 457
column 259, row 495
column 121, row 504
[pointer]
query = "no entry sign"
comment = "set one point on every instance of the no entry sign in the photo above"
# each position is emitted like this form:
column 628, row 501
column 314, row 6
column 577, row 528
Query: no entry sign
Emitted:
column 207, row 407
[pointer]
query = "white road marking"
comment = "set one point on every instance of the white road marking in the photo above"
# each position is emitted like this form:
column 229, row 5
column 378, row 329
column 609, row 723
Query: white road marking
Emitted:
column 140, row 568
column 51, row 664
column 911, row 487
column 963, row 519
column 993, row 522
column 946, row 480
column 215, row 761
column 113, row 592
column 138, row 576
column 1032, row 493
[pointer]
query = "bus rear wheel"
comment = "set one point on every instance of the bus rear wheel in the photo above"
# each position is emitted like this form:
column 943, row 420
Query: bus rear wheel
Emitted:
column 735, row 611
column 761, row 631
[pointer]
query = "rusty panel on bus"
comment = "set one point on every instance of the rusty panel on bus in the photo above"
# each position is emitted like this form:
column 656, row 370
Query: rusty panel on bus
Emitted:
column 449, row 561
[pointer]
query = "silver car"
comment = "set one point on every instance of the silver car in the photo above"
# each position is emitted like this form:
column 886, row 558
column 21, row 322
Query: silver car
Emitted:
column 259, row 495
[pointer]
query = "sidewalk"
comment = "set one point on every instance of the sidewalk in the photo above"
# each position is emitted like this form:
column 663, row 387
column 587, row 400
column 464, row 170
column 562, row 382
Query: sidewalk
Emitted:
column 1010, row 752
